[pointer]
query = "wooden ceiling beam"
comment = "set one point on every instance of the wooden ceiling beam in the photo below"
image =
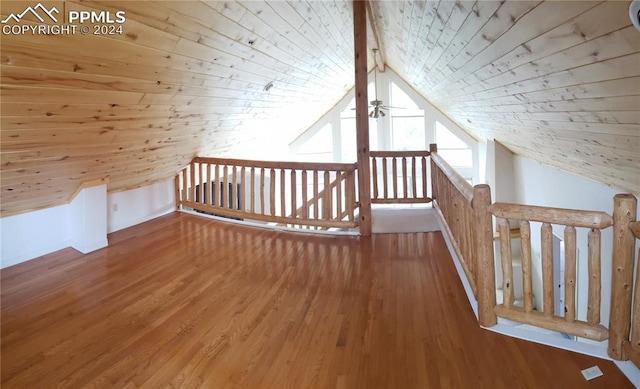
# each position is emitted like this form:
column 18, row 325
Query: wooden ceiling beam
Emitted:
column 375, row 41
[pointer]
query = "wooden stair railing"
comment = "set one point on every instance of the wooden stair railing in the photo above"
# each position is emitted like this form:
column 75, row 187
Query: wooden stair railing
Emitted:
column 268, row 191
column 330, row 203
column 467, row 213
column 467, row 221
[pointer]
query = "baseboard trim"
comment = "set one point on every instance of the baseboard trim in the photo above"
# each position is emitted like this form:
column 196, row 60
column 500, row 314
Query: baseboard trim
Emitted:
column 86, row 249
column 135, row 221
column 27, row 256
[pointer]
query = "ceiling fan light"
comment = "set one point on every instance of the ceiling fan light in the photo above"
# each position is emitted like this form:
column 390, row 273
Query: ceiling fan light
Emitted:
column 376, row 113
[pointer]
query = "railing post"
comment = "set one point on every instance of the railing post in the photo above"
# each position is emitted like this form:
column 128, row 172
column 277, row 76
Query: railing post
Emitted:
column 192, row 183
column 362, row 118
column 486, row 281
column 433, row 148
column 624, row 212
column 177, row 191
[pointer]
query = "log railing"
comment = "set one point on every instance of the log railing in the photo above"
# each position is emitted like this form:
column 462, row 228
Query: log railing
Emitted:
column 331, row 197
column 452, row 198
column 623, row 333
column 291, row 193
column 464, row 208
column 624, row 323
column 631, row 347
column 399, row 177
column 467, row 213
column 546, row 317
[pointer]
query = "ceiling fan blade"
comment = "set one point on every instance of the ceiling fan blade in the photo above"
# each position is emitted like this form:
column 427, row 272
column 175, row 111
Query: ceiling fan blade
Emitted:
column 382, row 106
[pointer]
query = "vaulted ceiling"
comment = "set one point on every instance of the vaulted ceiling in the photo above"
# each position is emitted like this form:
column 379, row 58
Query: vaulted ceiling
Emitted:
column 555, row 81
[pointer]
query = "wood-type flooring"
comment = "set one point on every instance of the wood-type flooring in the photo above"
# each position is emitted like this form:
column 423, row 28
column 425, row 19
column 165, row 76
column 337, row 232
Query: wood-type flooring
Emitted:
column 188, row 302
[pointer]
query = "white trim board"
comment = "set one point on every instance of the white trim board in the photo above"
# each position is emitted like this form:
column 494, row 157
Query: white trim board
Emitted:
column 269, row 226
column 456, row 262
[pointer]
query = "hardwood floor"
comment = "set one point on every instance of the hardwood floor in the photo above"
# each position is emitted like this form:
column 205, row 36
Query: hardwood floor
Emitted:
column 187, row 302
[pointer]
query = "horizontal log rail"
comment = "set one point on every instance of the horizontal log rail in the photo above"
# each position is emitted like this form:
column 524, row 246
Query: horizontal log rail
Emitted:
column 399, row 177
column 289, row 165
column 299, row 194
column 461, row 185
column 538, row 319
column 566, row 217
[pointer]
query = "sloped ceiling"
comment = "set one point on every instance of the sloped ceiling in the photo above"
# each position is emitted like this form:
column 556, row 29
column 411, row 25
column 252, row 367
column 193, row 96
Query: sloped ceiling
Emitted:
column 185, row 78
column 555, row 81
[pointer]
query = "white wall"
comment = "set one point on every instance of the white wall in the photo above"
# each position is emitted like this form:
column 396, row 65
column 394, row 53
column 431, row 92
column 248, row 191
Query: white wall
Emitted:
column 500, row 174
column 87, row 219
column 536, row 184
column 33, row 234
column 136, row 206
column 83, row 223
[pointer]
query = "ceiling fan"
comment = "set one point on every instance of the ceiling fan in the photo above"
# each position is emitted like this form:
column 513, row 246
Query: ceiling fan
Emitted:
column 376, row 111
column 376, row 104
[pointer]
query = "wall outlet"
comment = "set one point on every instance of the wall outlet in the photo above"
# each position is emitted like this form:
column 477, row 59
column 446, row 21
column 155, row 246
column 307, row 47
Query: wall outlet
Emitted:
column 591, row 373
column 114, row 207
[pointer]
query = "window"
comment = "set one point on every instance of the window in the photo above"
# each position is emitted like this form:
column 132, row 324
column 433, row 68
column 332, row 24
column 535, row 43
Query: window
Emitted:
column 348, row 139
column 409, row 124
column 402, row 104
column 319, row 148
column 455, row 151
column 348, row 131
column 408, row 133
column 407, row 121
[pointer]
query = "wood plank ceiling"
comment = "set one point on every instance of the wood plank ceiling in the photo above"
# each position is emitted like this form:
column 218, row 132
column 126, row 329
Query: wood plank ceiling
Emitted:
column 555, row 81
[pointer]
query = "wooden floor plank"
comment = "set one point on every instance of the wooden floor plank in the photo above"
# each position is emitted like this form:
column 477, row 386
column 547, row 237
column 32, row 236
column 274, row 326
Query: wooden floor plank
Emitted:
column 183, row 301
